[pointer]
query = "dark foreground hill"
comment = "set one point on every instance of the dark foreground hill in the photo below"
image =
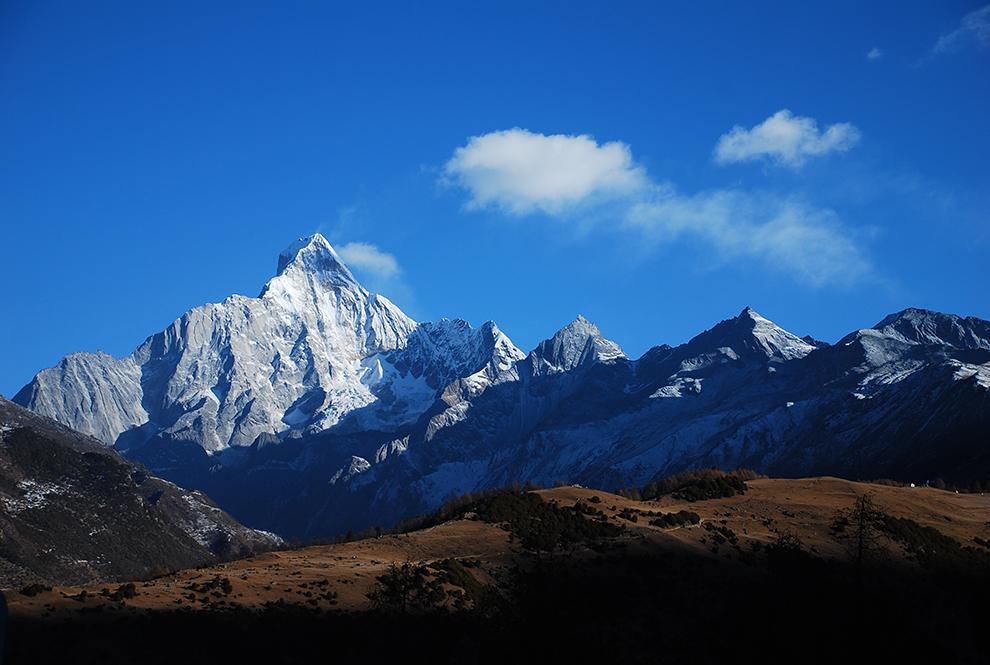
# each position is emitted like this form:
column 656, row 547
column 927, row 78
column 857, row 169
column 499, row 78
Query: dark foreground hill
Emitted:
column 73, row 511
column 571, row 575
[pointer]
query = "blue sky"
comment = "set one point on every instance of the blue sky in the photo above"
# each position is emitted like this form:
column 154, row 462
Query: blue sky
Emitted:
column 654, row 166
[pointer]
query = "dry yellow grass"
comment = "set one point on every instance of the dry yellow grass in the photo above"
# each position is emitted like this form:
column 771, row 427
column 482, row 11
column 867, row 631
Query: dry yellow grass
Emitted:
column 310, row 576
column 804, row 507
column 303, row 576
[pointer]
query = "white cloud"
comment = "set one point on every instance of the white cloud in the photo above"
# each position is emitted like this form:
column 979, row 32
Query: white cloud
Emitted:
column 973, row 29
column 785, row 139
column 874, row 54
column 522, row 171
column 368, row 258
column 786, row 235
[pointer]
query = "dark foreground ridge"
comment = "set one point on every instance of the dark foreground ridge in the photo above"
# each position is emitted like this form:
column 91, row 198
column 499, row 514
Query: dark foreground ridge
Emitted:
column 630, row 608
column 816, row 570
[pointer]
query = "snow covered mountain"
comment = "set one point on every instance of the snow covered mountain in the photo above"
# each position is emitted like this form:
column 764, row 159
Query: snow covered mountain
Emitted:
column 314, row 351
column 319, row 407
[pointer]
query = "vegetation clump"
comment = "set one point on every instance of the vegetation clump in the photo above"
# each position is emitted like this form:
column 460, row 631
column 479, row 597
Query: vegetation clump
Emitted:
column 216, row 586
column 787, row 555
column 34, row 589
column 629, row 514
column 680, row 518
column 457, row 508
column 456, row 573
column 123, row 592
column 539, row 526
column 721, row 534
column 933, row 549
column 585, row 509
column 407, row 588
column 542, row 526
column 698, row 485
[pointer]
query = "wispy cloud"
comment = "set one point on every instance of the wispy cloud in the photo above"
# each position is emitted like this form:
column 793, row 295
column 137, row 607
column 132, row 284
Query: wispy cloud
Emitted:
column 874, row 54
column 784, row 139
column 785, row 234
column 378, row 270
column 368, row 258
column 522, row 171
column 973, row 29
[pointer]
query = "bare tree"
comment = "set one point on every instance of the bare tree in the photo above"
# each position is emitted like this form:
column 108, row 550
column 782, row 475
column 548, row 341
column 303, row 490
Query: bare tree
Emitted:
column 861, row 528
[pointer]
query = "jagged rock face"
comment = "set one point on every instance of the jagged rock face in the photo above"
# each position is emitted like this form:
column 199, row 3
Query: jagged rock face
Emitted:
column 578, row 343
column 73, row 511
column 344, row 413
column 919, row 326
column 93, row 393
column 312, row 350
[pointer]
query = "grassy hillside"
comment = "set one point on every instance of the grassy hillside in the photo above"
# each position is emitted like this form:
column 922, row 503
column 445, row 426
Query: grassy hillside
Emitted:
column 767, row 574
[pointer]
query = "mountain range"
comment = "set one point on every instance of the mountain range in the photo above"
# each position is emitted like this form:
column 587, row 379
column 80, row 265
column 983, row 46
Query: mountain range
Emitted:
column 319, row 407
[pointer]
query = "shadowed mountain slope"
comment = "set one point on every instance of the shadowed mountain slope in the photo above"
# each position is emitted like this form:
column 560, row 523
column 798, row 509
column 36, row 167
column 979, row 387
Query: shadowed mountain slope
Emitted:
column 74, row 511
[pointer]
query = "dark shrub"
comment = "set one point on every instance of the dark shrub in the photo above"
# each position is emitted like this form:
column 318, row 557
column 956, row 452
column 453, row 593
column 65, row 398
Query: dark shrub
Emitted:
column 721, row 534
column 34, row 589
column 700, row 485
column 629, row 514
column 407, row 588
column 124, row 591
column 680, row 518
column 934, row 550
column 455, row 572
column 787, row 555
column 217, row 585
column 541, row 526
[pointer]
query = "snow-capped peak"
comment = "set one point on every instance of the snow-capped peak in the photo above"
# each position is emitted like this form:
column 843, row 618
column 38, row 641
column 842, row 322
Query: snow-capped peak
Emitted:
column 578, row 328
column 313, row 282
column 922, row 326
column 774, row 340
column 578, row 342
column 315, row 256
column 301, row 355
column 750, row 333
